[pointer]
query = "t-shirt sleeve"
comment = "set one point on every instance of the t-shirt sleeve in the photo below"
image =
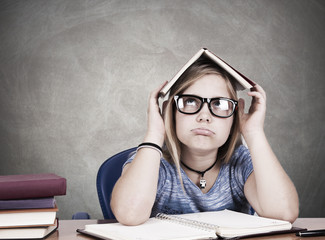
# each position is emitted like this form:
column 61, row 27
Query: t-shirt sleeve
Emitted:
column 242, row 168
column 162, row 175
column 130, row 159
column 242, row 165
column 162, row 171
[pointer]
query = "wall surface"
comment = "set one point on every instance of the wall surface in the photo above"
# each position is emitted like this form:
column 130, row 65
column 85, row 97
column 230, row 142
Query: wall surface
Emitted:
column 75, row 78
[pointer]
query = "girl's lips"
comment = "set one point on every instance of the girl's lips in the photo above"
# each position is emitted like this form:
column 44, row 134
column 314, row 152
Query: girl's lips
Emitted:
column 202, row 131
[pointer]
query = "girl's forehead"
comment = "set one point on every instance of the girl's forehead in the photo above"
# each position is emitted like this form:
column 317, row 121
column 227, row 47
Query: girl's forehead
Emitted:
column 210, row 85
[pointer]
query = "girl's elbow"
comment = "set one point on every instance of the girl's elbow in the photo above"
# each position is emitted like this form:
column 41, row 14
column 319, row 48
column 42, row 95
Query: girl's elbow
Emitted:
column 129, row 214
column 291, row 212
column 288, row 213
column 288, row 209
column 131, row 221
column 129, row 217
column 291, row 215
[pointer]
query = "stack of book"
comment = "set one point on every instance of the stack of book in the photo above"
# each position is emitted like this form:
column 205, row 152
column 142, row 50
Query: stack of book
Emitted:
column 28, row 209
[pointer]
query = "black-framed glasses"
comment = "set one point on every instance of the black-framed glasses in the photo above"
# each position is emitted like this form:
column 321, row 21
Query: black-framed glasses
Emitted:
column 192, row 104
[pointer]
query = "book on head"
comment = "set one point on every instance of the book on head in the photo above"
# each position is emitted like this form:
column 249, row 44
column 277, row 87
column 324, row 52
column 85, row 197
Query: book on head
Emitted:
column 203, row 225
column 242, row 82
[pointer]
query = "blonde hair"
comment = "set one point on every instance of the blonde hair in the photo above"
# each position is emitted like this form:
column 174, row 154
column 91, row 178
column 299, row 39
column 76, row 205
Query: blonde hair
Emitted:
column 172, row 150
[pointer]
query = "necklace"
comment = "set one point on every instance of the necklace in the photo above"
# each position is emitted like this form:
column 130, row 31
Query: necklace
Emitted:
column 203, row 182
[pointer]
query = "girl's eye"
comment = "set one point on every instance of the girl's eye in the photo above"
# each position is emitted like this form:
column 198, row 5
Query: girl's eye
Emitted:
column 190, row 102
column 221, row 104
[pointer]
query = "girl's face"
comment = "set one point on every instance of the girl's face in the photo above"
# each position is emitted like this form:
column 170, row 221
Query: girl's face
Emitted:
column 203, row 131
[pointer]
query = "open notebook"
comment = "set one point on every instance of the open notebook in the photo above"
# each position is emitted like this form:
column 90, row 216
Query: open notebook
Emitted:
column 204, row 225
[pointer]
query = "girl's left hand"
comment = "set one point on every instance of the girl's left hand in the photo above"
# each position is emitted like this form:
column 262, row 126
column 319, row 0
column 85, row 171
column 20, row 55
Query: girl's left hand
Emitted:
column 253, row 121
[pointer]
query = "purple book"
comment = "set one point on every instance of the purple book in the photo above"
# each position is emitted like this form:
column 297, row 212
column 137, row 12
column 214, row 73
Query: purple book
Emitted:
column 27, row 203
column 31, row 186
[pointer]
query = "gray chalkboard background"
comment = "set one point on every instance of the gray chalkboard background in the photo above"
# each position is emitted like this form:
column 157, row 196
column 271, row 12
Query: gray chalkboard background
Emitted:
column 75, row 78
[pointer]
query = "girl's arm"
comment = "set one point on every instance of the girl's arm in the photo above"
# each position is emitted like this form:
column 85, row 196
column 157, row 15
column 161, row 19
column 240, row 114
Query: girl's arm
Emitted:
column 134, row 193
column 268, row 189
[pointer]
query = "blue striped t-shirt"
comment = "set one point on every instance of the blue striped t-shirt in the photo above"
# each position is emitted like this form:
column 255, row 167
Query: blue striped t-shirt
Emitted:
column 226, row 193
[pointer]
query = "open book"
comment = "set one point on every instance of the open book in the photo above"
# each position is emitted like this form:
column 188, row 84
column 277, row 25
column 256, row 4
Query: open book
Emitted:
column 204, row 225
column 242, row 81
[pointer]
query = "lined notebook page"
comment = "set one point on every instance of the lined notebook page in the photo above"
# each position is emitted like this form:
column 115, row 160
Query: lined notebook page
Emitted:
column 151, row 230
column 230, row 223
column 231, row 219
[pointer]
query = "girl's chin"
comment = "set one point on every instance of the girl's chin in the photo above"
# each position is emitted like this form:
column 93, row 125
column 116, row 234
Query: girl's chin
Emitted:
column 202, row 146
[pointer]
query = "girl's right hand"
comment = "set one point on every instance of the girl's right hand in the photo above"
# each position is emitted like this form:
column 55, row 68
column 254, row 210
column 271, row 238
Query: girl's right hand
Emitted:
column 156, row 127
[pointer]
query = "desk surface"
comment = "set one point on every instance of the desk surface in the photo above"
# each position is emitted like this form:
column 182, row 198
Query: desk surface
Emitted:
column 67, row 229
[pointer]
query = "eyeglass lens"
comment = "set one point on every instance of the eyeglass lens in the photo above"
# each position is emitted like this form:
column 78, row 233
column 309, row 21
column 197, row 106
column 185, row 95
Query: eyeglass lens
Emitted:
column 218, row 106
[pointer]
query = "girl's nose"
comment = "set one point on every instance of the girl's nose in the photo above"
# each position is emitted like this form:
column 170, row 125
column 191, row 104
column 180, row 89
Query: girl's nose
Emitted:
column 204, row 115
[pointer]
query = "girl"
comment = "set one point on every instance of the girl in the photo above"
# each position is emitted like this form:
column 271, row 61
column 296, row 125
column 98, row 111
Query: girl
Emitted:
column 204, row 167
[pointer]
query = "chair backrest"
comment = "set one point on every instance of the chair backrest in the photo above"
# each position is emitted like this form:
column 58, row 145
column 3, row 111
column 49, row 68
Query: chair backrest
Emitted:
column 108, row 173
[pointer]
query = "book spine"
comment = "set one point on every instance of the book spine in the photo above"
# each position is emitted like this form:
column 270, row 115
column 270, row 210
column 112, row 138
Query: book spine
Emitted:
column 27, row 203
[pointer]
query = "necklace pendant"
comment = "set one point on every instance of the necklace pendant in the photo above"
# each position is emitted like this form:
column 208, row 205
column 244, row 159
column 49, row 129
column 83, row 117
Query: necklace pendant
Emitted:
column 203, row 183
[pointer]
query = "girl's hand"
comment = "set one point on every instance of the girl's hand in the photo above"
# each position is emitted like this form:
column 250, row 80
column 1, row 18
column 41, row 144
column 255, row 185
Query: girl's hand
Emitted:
column 156, row 127
column 253, row 121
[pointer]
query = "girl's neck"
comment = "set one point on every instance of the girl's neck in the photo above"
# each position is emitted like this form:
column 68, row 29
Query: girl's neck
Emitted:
column 198, row 160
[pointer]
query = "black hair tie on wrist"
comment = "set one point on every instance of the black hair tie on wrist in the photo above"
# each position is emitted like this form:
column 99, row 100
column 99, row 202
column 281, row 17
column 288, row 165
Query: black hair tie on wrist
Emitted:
column 150, row 145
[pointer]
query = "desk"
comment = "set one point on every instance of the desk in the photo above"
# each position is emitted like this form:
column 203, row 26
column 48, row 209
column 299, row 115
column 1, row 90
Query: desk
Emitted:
column 67, row 229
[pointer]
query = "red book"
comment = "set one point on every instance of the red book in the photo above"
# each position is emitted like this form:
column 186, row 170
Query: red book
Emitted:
column 31, row 186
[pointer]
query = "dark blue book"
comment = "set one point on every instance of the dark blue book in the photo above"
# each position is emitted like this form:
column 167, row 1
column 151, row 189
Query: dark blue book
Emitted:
column 27, row 203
